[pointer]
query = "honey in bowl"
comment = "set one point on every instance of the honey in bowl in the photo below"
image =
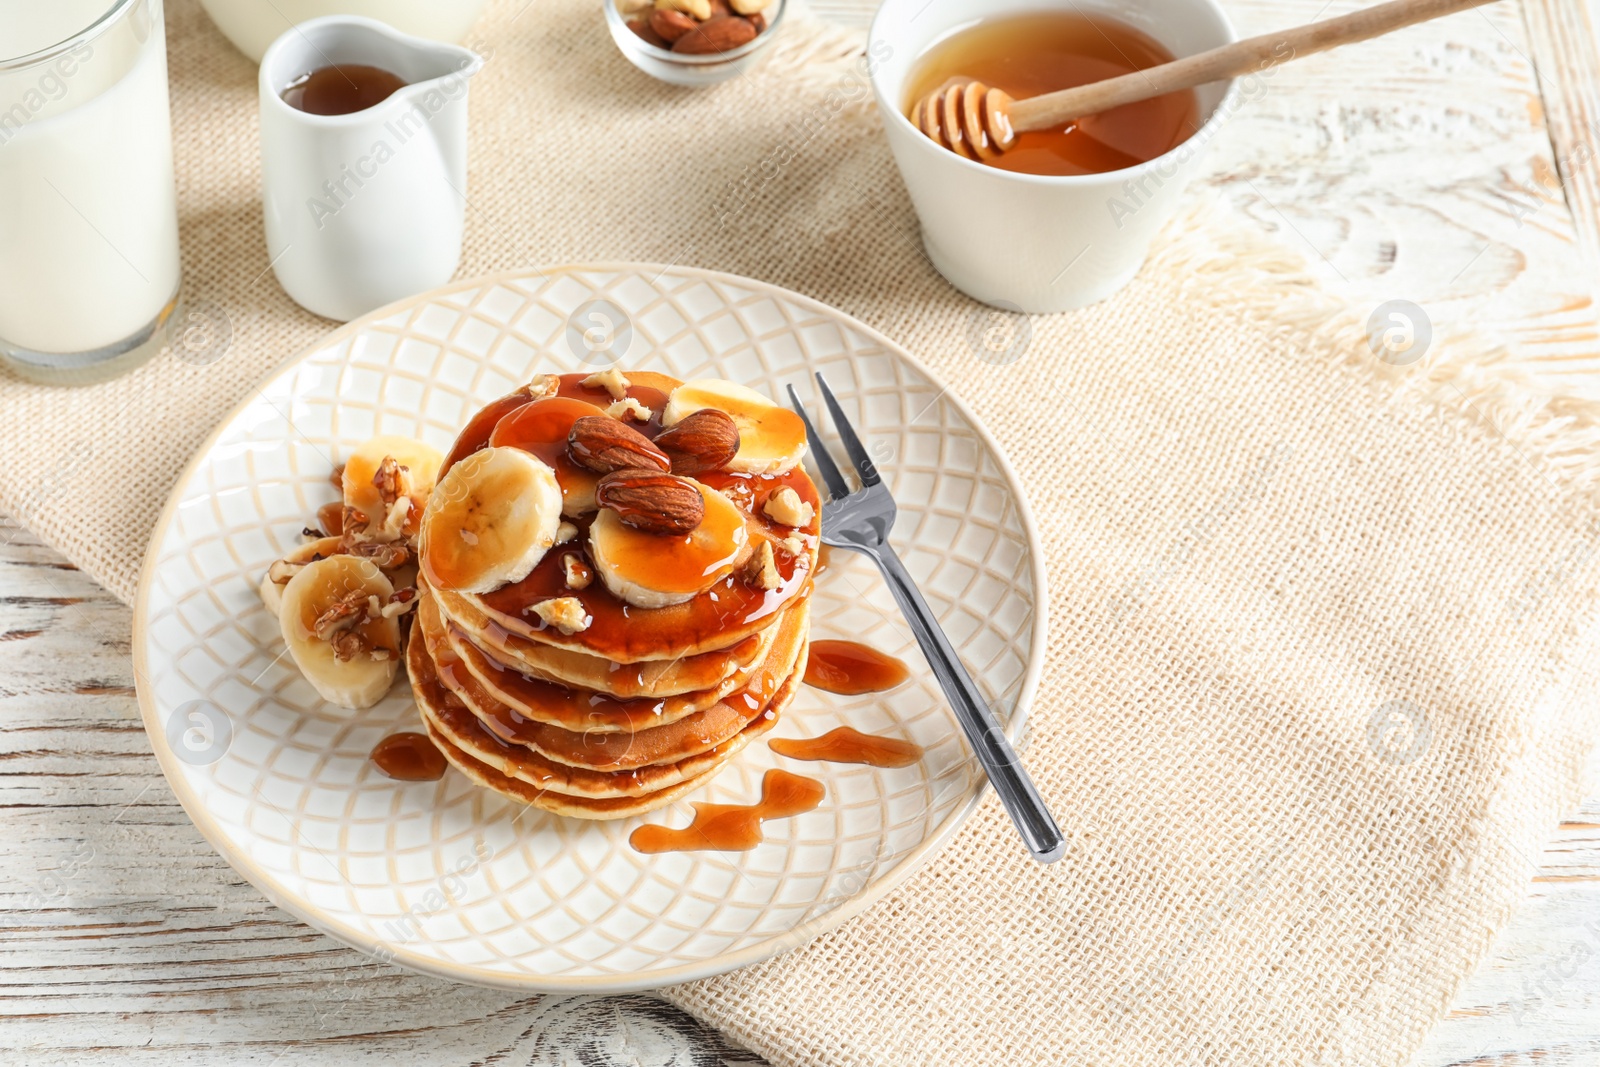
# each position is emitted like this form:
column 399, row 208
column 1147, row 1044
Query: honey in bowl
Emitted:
column 1028, row 55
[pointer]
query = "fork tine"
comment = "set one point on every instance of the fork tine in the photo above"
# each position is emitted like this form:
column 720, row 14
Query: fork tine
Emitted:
column 838, row 488
column 847, row 437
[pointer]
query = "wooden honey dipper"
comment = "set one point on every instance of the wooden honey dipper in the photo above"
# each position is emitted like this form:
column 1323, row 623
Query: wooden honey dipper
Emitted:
column 978, row 122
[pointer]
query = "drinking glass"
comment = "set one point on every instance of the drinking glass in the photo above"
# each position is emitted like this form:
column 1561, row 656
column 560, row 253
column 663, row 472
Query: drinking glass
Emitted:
column 88, row 204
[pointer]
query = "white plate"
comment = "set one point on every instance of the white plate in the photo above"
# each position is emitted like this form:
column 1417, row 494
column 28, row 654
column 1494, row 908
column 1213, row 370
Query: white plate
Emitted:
column 457, row 881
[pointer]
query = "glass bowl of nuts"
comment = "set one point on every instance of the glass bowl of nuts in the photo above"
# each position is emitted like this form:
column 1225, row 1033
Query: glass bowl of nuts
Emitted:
column 693, row 42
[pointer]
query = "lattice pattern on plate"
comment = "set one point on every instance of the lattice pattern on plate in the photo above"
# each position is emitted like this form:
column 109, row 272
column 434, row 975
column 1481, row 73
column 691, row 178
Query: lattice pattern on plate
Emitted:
column 455, row 880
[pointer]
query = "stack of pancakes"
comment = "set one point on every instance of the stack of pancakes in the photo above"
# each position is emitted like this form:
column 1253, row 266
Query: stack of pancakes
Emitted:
column 640, row 705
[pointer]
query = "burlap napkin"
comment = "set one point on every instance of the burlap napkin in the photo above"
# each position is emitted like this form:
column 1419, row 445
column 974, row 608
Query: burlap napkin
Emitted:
column 1323, row 631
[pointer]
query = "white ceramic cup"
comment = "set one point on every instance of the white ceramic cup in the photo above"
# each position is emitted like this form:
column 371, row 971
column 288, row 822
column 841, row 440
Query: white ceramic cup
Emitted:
column 364, row 209
column 252, row 25
column 1034, row 243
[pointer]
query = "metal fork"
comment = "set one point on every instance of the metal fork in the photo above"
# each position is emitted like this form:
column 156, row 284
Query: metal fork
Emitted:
column 860, row 520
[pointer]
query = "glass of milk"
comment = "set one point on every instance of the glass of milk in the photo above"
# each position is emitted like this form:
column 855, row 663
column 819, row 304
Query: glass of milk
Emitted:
column 88, row 204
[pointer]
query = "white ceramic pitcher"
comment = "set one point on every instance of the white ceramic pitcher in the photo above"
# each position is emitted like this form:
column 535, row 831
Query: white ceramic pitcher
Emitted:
column 364, row 209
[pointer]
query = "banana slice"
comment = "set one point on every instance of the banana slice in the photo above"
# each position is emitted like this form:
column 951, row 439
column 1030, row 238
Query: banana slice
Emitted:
column 772, row 439
column 490, row 521
column 279, row 574
column 654, row 570
column 333, row 621
column 422, row 463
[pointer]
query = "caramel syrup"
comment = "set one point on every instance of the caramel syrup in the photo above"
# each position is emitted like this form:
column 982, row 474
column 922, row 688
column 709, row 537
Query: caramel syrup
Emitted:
column 409, row 757
column 848, row 745
column 541, row 428
column 342, row 89
column 609, row 748
column 734, row 827
column 731, row 609
column 1027, row 55
column 330, row 517
column 851, row 668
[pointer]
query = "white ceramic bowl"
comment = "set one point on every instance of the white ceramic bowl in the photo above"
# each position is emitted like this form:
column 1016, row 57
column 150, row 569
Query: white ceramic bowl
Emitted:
column 690, row 70
column 252, row 25
column 1032, row 243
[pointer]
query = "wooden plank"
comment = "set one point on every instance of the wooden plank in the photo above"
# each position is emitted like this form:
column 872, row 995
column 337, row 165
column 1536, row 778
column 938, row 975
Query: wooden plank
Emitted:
column 1564, row 40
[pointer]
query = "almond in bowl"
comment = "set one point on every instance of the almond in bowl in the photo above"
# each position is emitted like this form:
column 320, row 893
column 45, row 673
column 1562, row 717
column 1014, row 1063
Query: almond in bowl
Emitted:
column 693, row 42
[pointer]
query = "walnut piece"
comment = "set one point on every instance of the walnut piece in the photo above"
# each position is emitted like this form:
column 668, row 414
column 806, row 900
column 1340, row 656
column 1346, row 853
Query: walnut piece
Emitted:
column 351, row 645
column 785, row 506
column 794, row 544
column 386, row 556
column 577, row 571
column 623, row 408
column 402, row 601
column 343, row 614
column 564, row 613
column 565, row 532
column 391, row 480
column 542, row 385
column 282, row 570
column 762, row 570
column 611, row 380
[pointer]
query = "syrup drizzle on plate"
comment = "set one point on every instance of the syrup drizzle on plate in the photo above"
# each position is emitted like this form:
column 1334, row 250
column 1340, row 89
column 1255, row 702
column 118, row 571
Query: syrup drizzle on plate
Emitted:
column 734, row 827
column 849, row 745
column 851, row 668
column 409, row 757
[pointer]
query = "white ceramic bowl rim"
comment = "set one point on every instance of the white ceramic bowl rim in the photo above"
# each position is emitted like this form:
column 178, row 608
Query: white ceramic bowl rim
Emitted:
column 760, row 40
column 1206, row 131
column 909, row 862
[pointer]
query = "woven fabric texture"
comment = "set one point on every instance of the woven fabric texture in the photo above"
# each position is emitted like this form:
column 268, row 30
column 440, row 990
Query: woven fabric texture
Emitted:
column 1323, row 634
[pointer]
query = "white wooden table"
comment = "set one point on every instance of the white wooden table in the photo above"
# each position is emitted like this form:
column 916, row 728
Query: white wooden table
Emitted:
column 1453, row 166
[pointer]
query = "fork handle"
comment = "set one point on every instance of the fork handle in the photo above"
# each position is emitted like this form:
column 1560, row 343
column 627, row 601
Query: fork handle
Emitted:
column 1000, row 761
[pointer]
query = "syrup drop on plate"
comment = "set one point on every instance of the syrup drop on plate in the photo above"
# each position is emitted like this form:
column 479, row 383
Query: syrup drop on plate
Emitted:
column 409, row 757
column 734, row 827
column 851, row 668
column 848, row 745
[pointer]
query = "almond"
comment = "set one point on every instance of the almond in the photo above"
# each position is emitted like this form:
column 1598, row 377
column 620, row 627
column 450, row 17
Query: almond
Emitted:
column 722, row 34
column 603, row 445
column 706, row 440
column 647, row 32
column 651, row 501
column 670, row 25
column 759, row 21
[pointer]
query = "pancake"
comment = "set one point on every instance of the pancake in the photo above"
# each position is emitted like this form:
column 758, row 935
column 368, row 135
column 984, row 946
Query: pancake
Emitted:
column 558, row 803
column 635, row 706
column 731, row 610
column 717, row 618
column 527, row 776
column 515, row 700
column 567, row 706
column 457, row 724
column 583, row 711
column 621, row 750
column 579, row 670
